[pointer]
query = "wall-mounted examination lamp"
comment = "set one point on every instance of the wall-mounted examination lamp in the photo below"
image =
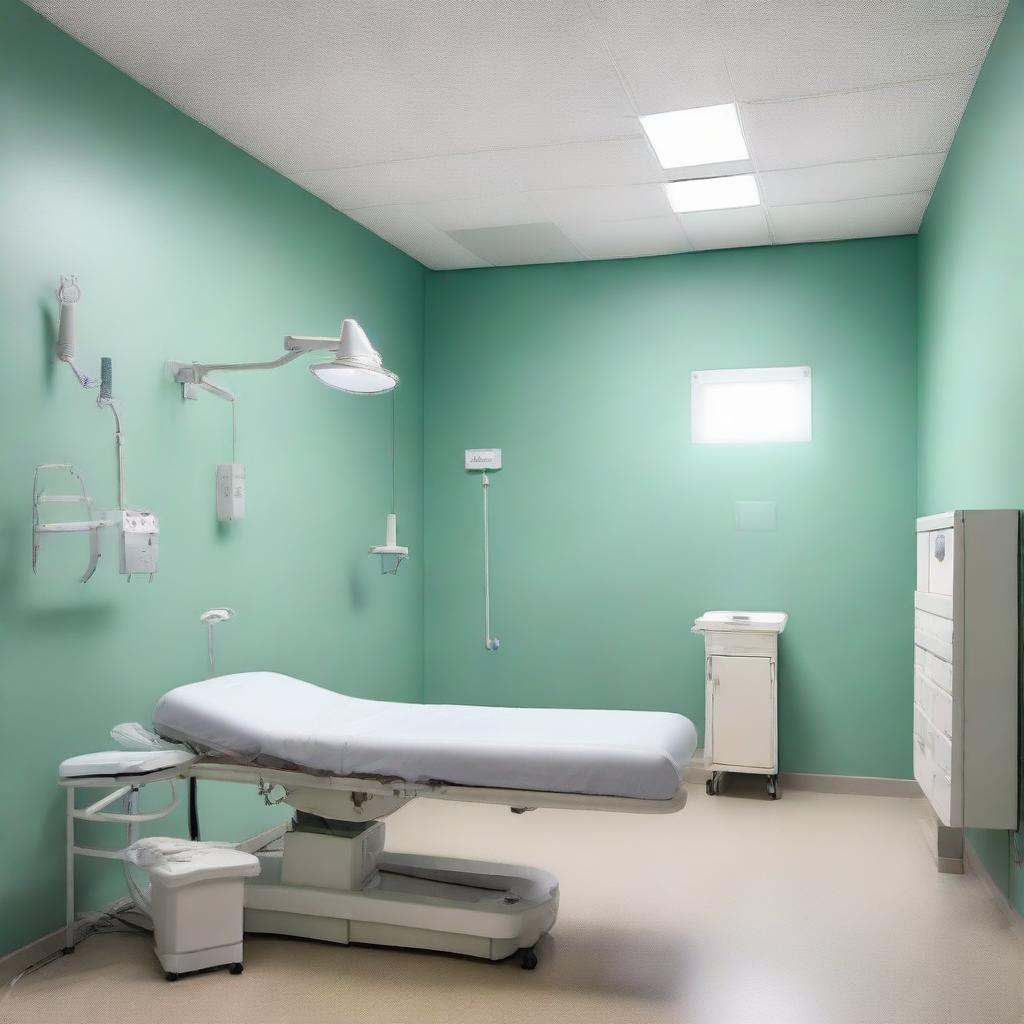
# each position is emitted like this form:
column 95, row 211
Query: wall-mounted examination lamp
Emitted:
column 357, row 367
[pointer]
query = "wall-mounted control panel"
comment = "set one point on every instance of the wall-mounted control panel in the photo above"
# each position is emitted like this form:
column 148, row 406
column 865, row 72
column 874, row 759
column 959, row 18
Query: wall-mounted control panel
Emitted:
column 140, row 542
column 483, row 458
column 230, row 491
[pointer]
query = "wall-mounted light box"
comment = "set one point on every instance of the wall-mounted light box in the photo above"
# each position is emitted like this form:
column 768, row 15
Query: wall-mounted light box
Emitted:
column 767, row 405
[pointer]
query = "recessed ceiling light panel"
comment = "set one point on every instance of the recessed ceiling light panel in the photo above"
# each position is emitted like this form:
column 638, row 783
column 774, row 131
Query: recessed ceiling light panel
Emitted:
column 701, row 135
column 713, row 193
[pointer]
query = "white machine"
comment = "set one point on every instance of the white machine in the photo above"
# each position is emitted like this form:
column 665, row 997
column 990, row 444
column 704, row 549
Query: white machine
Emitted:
column 344, row 764
column 196, row 893
column 741, row 694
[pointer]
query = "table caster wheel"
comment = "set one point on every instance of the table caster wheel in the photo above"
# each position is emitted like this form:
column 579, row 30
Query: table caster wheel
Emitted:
column 709, row 787
column 171, row 976
column 773, row 787
column 529, row 961
column 235, row 968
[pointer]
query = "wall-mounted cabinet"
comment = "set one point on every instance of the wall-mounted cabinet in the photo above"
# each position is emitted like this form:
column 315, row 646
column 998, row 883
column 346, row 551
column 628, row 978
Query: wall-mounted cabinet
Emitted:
column 965, row 668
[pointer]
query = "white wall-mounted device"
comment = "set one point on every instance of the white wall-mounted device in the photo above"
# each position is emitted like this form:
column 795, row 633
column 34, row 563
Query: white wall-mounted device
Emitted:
column 230, row 491
column 483, row 458
column 140, row 543
column 486, row 461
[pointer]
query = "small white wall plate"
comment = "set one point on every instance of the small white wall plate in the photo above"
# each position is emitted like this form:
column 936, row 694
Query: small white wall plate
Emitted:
column 483, row 458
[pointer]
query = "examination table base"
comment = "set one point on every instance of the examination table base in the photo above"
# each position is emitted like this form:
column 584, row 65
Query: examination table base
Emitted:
column 452, row 905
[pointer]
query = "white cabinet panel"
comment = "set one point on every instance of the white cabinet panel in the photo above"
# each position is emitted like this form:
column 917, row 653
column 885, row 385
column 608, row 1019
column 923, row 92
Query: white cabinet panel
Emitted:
column 743, row 716
column 940, row 561
column 966, row 665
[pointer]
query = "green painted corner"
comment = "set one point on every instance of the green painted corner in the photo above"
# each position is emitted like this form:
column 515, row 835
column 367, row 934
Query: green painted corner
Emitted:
column 971, row 349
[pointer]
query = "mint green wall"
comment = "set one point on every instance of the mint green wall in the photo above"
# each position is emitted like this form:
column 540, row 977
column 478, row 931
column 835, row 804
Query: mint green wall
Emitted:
column 187, row 248
column 611, row 532
column 972, row 323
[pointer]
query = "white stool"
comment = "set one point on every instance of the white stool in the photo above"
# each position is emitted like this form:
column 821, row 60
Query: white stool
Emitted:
column 197, row 894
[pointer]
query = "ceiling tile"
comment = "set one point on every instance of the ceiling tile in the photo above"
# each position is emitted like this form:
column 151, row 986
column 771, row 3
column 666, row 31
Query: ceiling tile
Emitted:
column 325, row 84
column 853, row 218
column 621, row 202
column 480, row 175
column 778, row 48
column 829, row 182
column 490, row 211
column 621, row 239
column 518, row 243
column 668, row 53
column 726, row 229
column 899, row 120
column 422, row 241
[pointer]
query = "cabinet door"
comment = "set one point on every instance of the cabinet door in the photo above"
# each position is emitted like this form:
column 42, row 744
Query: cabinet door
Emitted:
column 743, row 712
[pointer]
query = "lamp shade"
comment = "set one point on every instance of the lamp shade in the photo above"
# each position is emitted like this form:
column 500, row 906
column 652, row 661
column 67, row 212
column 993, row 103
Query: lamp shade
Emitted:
column 357, row 366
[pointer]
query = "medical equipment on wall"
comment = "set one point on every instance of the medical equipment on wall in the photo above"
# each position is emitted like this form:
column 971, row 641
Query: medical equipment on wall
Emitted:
column 391, row 553
column 357, row 369
column 138, row 530
column 211, row 618
column 486, row 461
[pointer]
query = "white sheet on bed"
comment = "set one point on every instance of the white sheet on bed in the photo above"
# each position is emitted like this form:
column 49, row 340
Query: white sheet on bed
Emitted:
column 264, row 717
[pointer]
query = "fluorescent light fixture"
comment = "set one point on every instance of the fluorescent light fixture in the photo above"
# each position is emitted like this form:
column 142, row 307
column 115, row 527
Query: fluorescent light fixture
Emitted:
column 713, row 193
column 701, row 135
column 769, row 405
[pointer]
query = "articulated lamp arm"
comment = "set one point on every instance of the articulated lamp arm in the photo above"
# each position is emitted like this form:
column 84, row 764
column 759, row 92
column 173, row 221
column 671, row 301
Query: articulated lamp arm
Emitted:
column 195, row 373
column 356, row 367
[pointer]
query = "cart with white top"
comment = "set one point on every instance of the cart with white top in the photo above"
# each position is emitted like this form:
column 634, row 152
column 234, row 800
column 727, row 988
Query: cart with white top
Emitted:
column 741, row 688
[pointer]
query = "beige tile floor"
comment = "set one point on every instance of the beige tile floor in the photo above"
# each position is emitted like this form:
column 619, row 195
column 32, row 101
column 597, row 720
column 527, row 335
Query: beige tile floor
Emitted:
column 816, row 909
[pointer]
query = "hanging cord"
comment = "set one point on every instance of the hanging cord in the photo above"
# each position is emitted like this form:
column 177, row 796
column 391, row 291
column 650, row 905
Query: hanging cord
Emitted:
column 234, row 436
column 394, row 450
column 492, row 643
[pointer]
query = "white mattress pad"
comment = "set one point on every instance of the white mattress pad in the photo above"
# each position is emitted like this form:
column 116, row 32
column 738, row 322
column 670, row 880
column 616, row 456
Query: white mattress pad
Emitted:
column 273, row 720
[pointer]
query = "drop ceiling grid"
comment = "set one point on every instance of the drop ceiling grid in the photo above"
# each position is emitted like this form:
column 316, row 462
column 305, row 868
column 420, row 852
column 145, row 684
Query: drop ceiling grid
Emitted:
column 422, row 119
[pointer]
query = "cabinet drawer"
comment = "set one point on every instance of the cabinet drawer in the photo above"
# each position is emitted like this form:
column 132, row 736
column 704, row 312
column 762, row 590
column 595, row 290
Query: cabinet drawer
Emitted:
column 922, row 769
column 935, row 670
column 941, row 796
column 920, row 725
column 934, row 634
column 935, row 561
column 735, row 642
column 942, row 752
column 941, row 712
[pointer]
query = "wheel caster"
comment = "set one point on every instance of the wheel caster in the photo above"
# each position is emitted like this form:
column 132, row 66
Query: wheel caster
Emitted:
column 773, row 787
column 235, row 968
column 709, row 787
column 529, row 960
column 171, row 976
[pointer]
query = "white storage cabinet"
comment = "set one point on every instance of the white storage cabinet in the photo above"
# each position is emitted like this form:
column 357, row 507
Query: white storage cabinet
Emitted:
column 965, row 672
column 741, row 689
